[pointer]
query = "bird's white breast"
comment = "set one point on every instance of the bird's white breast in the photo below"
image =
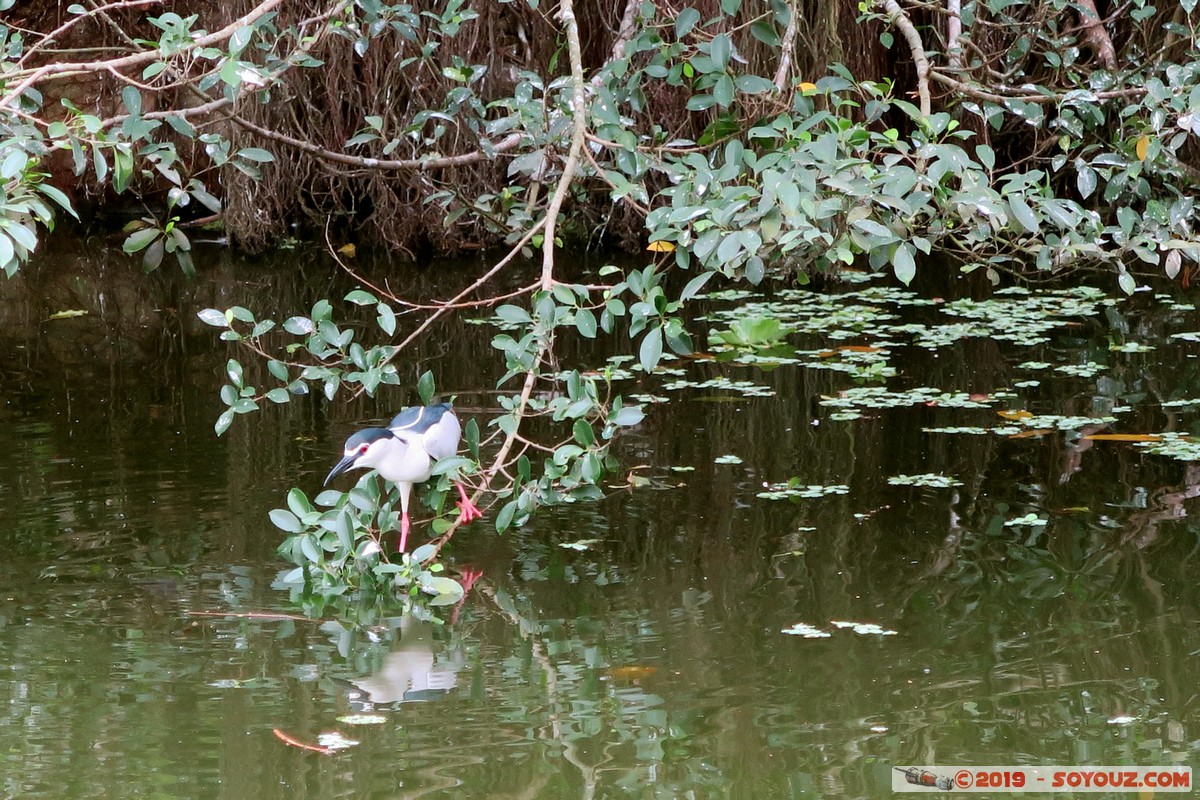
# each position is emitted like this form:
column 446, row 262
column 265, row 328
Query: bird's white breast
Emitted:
column 404, row 461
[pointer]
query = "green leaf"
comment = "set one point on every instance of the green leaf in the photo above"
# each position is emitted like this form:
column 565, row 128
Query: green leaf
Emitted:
column 723, row 91
column 686, row 20
column 140, row 240
column 279, row 395
column 720, row 49
column 7, row 251
column 903, row 264
column 513, row 314
column 131, row 96
column 651, row 350
column 585, row 323
column 13, row 164
column 256, row 154
column 423, row 553
column 1126, row 282
column 223, row 422
column 754, row 84
column 628, row 416
column 361, row 298
column 386, row 319
column 211, row 316
column 58, row 197
column 583, row 433
column 505, row 517
column 471, row 437
column 425, row 387
column 285, row 520
column 451, row 464
column 695, row 285
column 298, row 502
column 1023, row 214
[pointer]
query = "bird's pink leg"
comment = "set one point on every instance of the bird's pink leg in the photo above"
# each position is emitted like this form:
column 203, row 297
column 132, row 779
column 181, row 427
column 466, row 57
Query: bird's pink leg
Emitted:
column 404, row 526
column 467, row 511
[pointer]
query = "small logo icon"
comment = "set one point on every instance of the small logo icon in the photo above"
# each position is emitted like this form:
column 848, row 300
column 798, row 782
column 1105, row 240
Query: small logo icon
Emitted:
column 923, row 777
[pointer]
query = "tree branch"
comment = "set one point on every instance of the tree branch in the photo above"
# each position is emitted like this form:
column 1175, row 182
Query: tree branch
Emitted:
column 900, row 19
column 31, row 77
column 502, row 146
column 787, row 49
column 579, row 130
column 566, row 13
column 954, row 33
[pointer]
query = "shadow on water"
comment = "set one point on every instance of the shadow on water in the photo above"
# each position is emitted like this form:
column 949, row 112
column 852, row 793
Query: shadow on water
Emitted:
column 1044, row 608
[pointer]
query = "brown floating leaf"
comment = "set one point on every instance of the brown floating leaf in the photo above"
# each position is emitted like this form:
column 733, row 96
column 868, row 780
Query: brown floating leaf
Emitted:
column 632, row 672
column 1015, row 415
column 1032, row 433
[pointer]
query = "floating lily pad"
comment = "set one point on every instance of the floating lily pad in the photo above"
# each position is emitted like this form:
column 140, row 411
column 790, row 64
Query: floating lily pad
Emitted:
column 863, row 628
column 362, row 719
column 335, row 740
column 1088, row 370
column 1031, row 519
column 807, row 631
column 928, row 480
column 580, row 545
column 793, row 488
column 728, row 459
column 1174, row 445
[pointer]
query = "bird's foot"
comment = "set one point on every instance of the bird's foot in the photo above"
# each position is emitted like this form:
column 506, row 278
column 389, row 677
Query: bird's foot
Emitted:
column 467, row 511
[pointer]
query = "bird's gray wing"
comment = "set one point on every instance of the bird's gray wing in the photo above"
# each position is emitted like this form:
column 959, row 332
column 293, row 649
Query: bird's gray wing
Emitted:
column 442, row 437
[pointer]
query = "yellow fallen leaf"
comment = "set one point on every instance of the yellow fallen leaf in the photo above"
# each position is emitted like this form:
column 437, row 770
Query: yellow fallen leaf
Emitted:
column 1142, row 147
column 632, row 672
column 807, row 88
column 74, row 312
column 1015, row 415
column 660, row 247
column 348, row 250
column 1124, row 437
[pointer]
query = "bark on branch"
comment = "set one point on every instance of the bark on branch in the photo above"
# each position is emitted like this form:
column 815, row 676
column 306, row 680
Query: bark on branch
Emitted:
column 1095, row 35
column 916, row 47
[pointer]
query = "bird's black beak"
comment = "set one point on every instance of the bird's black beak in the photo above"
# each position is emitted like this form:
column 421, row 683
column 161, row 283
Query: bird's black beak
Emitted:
column 343, row 465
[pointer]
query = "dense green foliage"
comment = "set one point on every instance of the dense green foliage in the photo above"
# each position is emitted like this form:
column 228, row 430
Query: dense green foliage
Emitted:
column 1062, row 141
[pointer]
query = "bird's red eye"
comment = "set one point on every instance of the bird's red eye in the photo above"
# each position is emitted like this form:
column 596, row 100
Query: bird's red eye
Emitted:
column 363, row 448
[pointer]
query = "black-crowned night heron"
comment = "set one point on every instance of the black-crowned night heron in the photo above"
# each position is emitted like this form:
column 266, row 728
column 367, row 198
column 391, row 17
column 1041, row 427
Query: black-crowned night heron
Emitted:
column 404, row 453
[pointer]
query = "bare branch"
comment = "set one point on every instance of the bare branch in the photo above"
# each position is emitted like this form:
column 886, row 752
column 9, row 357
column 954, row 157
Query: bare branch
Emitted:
column 787, row 49
column 566, row 13
column 954, row 33
column 915, row 46
column 504, row 145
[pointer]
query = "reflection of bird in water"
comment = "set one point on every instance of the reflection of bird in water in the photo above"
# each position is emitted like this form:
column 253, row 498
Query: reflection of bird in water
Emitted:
column 410, row 672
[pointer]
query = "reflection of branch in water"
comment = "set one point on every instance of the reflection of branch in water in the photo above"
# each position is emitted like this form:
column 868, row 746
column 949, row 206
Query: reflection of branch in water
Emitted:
column 1142, row 528
column 528, row 632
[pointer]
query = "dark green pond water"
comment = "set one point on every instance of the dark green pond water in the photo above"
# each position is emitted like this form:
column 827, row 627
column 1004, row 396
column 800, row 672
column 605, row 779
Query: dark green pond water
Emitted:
column 1042, row 609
